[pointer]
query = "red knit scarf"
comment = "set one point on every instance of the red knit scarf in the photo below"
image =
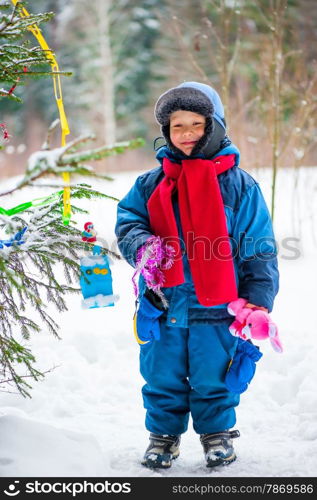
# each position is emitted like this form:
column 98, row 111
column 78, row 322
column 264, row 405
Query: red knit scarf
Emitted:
column 203, row 224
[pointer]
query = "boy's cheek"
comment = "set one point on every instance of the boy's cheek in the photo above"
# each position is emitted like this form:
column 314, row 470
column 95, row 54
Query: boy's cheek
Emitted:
column 174, row 138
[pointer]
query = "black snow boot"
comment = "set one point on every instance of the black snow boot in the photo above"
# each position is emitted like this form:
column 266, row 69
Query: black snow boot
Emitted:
column 218, row 447
column 161, row 451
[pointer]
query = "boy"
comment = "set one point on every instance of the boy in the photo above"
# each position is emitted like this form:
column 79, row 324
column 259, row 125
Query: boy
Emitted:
column 207, row 225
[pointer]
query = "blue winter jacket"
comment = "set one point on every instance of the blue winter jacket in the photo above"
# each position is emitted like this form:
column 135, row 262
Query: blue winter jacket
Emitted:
column 249, row 228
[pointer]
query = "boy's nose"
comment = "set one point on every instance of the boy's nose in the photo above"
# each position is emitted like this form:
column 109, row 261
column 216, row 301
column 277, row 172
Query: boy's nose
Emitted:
column 188, row 131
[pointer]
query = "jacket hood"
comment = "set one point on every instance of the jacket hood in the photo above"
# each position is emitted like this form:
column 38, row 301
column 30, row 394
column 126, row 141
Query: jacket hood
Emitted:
column 198, row 98
column 213, row 96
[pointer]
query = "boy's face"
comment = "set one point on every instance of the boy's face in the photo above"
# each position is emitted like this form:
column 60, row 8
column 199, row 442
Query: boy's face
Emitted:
column 186, row 128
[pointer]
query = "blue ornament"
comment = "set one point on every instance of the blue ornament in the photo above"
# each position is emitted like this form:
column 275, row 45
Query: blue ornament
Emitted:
column 17, row 239
column 96, row 280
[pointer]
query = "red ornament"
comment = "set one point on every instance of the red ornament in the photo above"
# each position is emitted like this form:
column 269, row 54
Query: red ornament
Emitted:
column 4, row 131
column 89, row 233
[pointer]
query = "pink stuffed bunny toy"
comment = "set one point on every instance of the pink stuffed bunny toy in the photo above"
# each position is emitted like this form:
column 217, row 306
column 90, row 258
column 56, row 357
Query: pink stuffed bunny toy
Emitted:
column 253, row 322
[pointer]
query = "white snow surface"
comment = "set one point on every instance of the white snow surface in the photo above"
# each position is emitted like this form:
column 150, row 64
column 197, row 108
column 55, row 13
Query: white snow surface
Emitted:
column 86, row 418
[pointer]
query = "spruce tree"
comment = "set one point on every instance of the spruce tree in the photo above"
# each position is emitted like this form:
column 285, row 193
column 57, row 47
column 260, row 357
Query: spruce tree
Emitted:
column 35, row 243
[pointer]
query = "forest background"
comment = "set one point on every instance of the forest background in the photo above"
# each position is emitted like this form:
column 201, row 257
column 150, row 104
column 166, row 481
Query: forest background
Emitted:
column 260, row 56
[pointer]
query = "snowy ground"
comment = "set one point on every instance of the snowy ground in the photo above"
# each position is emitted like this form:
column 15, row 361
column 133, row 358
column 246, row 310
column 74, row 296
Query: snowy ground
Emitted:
column 86, row 418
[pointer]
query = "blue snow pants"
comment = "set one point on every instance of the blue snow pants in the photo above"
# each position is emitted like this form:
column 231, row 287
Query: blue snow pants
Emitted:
column 184, row 373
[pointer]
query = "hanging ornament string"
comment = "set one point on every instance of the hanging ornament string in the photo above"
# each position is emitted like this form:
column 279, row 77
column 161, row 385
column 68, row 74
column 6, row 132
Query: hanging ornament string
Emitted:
column 37, row 202
column 35, row 30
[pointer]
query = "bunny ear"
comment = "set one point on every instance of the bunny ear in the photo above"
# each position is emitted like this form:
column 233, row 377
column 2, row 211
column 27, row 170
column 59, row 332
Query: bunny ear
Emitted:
column 274, row 338
column 276, row 344
column 272, row 330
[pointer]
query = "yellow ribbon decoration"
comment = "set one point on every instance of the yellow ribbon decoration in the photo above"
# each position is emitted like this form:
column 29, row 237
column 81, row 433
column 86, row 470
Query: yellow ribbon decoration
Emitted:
column 35, row 30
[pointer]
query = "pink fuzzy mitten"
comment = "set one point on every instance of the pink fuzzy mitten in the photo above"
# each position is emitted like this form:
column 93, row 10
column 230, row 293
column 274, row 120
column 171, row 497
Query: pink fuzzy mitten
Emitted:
column 253, row 322
column 152, row 259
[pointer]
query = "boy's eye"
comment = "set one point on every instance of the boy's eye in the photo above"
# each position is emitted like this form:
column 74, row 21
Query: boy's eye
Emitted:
column 179, row 125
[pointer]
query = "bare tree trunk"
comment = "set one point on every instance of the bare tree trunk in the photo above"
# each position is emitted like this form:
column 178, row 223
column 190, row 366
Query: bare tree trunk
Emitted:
column 277, row 27
column 107, row 71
